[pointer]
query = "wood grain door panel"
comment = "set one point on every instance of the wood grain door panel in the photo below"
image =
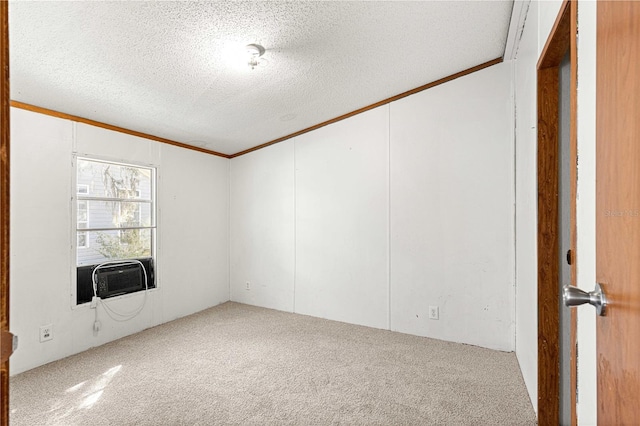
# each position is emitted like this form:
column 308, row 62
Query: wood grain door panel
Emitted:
column 618, row 210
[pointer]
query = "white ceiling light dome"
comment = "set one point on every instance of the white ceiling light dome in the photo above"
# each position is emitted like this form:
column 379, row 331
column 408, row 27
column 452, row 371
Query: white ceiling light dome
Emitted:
column 254, row 53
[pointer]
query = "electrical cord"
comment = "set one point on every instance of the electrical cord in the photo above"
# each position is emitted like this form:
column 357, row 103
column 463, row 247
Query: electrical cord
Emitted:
column 113, row 314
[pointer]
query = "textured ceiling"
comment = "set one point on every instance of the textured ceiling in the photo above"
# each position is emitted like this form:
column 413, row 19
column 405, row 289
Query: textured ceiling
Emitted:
column 163, row 68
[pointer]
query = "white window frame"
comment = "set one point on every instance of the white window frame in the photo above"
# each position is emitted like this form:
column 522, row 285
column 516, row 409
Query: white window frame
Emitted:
column 80, row 196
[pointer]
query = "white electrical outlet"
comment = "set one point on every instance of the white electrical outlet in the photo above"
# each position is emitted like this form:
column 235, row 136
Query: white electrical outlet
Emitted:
column 248, row 286
column 46, row 332
column 434, row 312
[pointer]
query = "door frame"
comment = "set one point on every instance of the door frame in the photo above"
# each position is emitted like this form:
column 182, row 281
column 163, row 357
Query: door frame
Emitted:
column 559, row 42
column 6, row 344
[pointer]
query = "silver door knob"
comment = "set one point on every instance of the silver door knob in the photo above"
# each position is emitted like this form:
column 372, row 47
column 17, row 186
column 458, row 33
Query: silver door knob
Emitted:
column 573, row 296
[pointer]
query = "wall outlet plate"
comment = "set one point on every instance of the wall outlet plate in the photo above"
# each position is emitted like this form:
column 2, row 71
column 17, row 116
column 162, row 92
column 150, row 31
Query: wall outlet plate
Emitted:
column 434, row 312
column 248, row 286
column 46, row 332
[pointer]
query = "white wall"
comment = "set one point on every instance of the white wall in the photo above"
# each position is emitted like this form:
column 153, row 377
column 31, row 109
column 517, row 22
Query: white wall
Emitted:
column 526, row 203
column 192, row 263
column 193, row 196
column 423, row 186
column 262, row 224
column 342, row 220
column 452, row 210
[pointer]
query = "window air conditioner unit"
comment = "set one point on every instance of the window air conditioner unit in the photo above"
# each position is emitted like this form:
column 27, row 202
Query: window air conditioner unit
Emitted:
column 119, row 279
column 113, row 280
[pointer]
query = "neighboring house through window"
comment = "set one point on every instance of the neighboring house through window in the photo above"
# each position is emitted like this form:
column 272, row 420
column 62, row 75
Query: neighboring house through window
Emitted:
column 83, row 217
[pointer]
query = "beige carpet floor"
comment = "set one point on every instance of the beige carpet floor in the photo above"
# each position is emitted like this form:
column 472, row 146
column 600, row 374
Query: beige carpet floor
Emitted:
column 238, row 364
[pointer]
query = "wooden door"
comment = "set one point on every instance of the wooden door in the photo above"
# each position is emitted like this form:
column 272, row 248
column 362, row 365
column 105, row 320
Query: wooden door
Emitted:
column 618, row 210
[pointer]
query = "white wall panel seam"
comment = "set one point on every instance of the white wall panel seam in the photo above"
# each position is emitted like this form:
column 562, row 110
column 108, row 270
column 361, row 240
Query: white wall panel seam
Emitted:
column 295, row 223
column 514, row 287
column 389, row 215
column 229, row 227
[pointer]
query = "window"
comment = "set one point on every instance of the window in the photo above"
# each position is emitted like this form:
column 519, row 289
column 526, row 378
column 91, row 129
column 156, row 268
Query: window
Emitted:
column 120, row 200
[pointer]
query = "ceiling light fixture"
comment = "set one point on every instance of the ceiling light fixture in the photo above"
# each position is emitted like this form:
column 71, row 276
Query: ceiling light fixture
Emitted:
column 254, row 52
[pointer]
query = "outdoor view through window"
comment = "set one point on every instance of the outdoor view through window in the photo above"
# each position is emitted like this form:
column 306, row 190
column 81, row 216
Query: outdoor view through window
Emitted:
column 115, row 211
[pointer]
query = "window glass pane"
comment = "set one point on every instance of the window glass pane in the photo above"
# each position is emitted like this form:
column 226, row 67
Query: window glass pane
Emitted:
column 129, row 193
column 113, row 180
column 114, row 245
column 83, row 239
column 116, row 214
column 101, row 219
column 83, row 214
